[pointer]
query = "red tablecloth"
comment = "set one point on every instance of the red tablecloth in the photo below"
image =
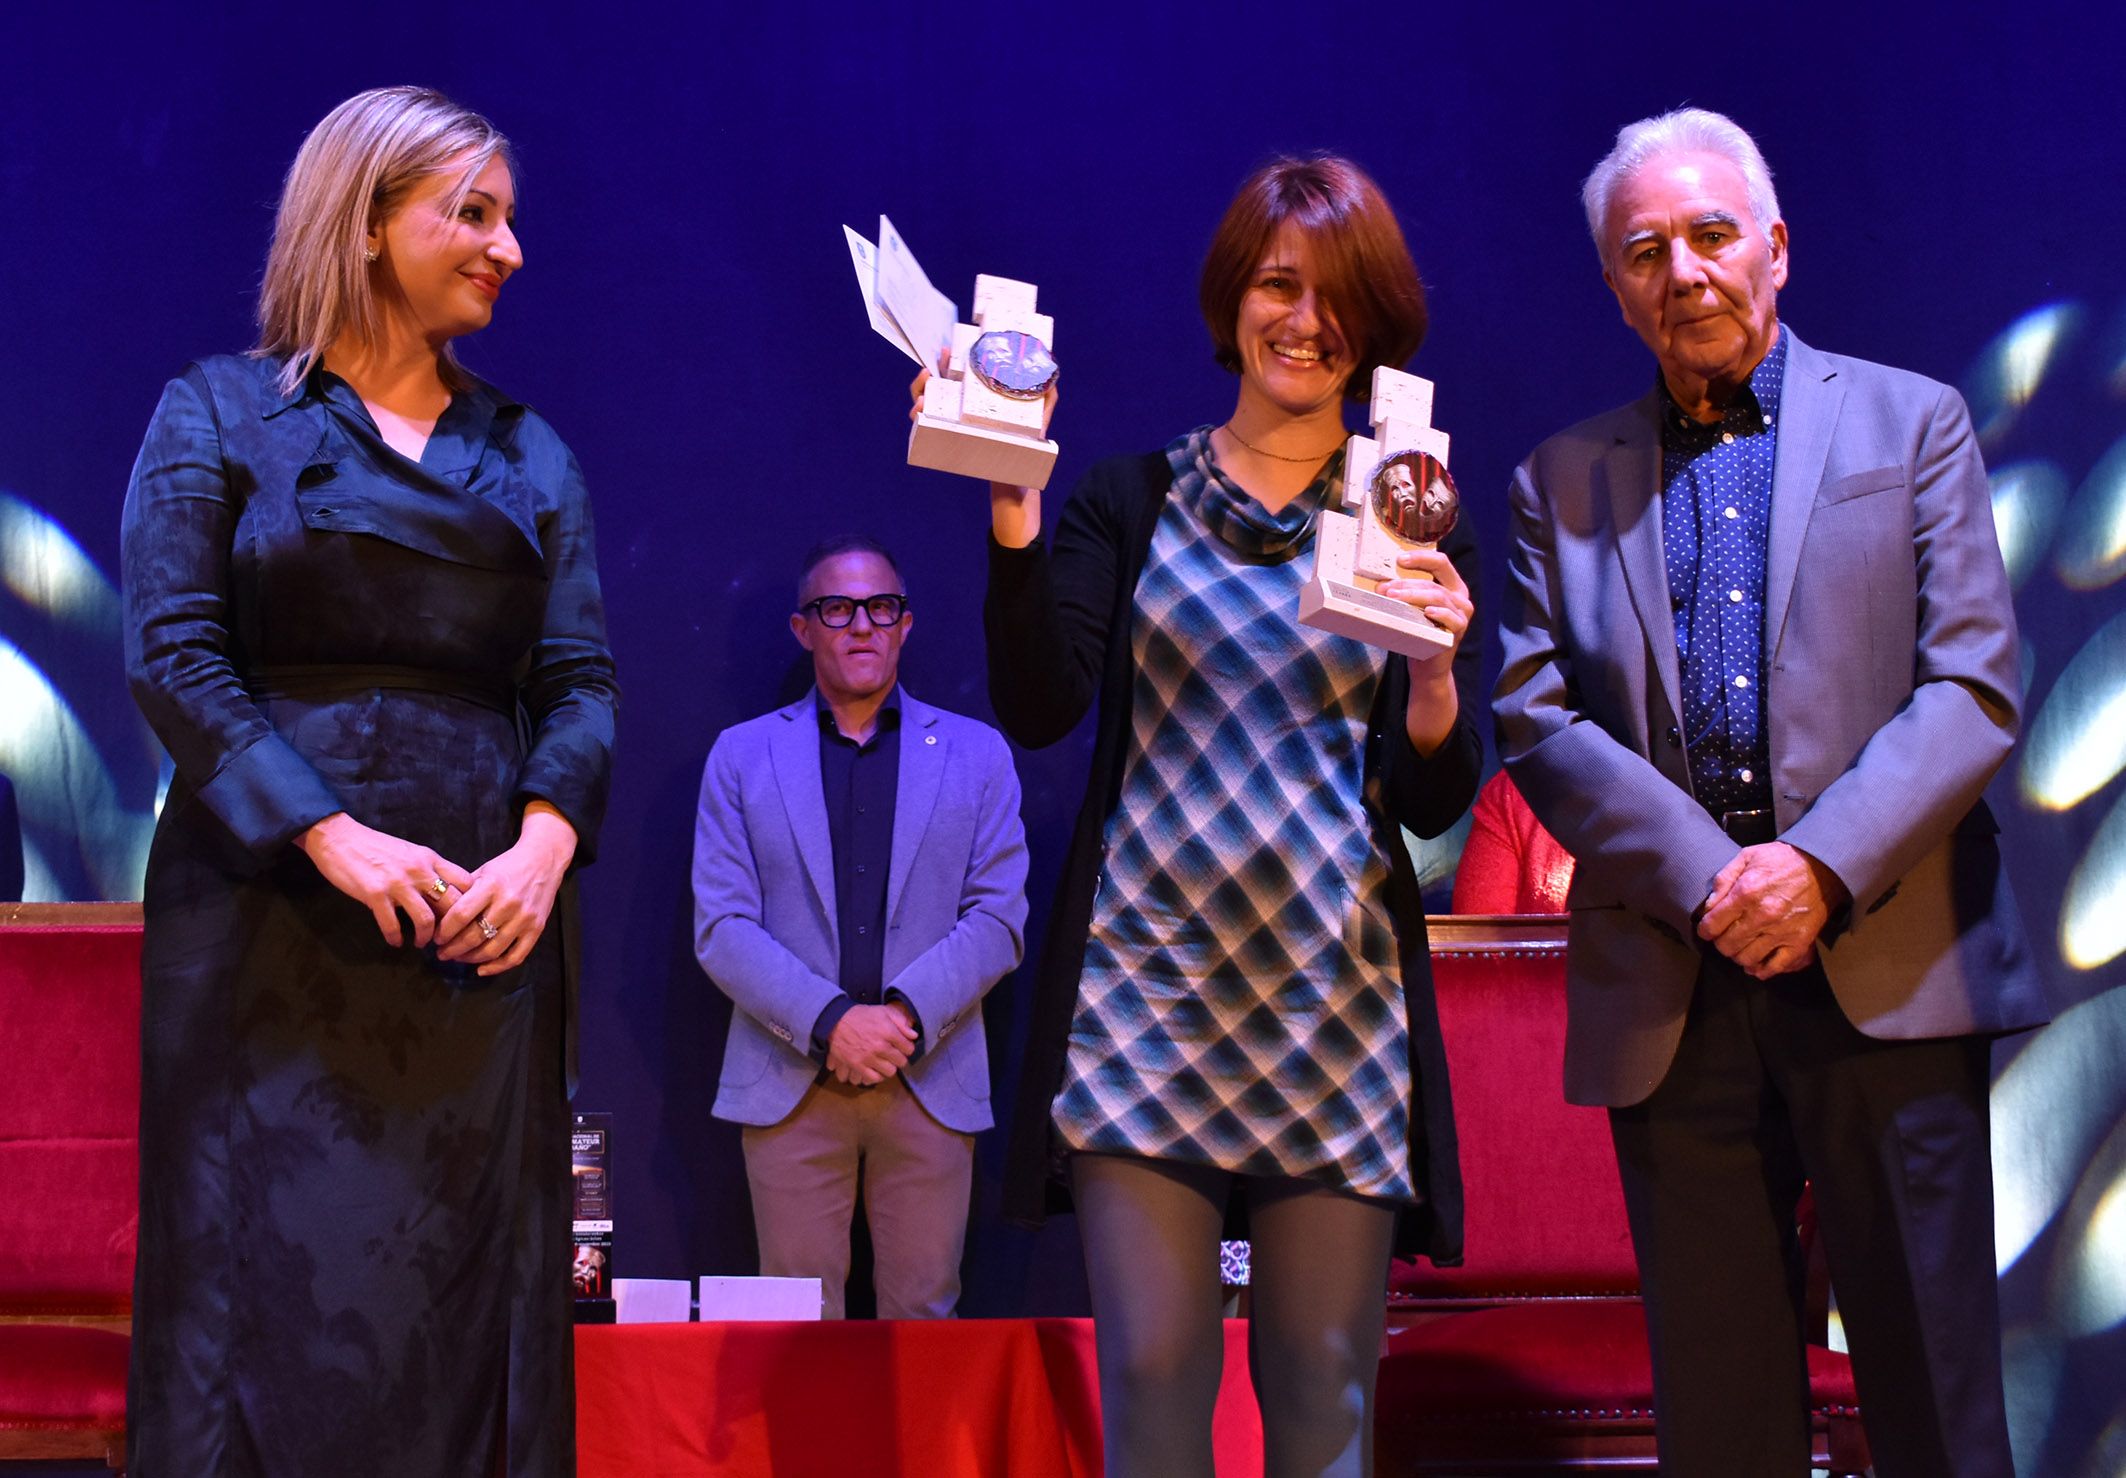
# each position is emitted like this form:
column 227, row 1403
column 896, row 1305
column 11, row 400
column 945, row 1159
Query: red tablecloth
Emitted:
column 896, row 1399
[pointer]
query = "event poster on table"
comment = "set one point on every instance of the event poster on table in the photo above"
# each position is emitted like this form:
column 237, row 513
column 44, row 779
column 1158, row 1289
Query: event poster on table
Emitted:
column 590, row 1177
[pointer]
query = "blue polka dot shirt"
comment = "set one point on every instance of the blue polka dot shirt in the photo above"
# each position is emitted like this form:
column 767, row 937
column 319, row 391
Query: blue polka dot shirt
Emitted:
column 1716, row 501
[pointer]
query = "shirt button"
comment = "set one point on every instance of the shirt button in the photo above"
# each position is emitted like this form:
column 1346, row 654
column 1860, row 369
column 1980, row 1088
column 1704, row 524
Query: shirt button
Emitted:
column 863, row 928
column 1742, row 682
column 859, row 867
column 1746, row 777
column 1734, row 595
column 1726, row 437
column 1731, row 513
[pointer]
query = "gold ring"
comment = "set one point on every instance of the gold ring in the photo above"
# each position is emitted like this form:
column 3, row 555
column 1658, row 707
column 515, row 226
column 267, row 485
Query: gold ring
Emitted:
column 438, row 887
column 487, row 929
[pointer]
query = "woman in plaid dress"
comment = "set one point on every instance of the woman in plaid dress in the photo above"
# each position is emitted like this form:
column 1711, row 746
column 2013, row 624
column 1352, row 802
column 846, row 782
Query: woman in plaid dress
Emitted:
column 1234, row 1021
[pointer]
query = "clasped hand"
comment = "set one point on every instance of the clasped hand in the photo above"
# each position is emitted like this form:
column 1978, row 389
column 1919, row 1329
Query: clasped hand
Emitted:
column 871, row 1043
column 1767, row 907
column 489, row 917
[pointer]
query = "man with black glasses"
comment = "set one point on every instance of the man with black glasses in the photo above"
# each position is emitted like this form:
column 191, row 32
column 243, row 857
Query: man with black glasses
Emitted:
column 859, row 885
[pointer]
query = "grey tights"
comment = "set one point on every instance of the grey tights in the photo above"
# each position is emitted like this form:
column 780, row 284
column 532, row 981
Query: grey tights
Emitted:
column 1318, row 1303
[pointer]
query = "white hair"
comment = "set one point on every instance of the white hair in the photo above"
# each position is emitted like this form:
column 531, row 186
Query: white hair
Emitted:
column 1684, row 131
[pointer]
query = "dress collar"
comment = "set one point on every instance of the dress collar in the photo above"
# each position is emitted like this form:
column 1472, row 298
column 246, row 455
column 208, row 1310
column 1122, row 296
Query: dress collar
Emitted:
column 314, row 386
column 1239, row 522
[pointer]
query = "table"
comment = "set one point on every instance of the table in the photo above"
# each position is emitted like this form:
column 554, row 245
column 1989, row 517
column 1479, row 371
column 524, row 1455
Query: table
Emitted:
column 899, row 1399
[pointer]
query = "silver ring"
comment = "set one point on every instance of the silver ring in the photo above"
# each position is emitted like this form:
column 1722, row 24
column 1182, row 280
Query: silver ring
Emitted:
column 438, row 887
column 487, row 929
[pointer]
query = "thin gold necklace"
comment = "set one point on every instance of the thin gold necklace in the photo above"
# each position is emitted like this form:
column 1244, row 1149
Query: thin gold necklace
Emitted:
column 1276, row 456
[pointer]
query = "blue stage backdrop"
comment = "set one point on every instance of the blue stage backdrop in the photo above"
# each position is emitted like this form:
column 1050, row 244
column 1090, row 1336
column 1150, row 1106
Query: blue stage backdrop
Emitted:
column 688, row 318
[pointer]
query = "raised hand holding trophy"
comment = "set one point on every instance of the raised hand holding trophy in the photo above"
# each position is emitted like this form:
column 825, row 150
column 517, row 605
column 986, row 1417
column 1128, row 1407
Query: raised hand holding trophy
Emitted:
column 1396, row 481
column 982, row 416
column 985, row 404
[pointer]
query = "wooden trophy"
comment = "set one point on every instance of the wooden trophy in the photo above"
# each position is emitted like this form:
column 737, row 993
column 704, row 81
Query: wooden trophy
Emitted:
column 1396, row 483
column 981, row 417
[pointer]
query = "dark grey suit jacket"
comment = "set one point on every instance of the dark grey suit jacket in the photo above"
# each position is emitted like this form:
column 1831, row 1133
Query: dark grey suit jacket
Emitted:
column 1892, row 695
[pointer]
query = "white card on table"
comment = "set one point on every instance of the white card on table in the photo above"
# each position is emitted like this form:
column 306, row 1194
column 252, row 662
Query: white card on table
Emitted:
column 652, row 1300
column 760, row 1298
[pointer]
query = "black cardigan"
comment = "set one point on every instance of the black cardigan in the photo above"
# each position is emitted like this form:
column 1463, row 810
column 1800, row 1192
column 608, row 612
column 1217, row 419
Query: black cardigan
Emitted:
column 1058, row 628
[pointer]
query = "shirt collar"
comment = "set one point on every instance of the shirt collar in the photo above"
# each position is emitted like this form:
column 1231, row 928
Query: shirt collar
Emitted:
column 889, row 712
column 1758, row 399
column 317, row 383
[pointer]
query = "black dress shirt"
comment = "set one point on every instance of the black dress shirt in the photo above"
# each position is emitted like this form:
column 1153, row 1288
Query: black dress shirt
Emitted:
column 860, row 782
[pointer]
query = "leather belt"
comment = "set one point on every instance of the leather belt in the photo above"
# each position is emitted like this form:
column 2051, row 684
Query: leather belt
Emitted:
column 1750, row 828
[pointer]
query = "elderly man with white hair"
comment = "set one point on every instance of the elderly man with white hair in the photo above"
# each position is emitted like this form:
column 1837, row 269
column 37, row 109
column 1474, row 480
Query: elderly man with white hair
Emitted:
column 1760, row 663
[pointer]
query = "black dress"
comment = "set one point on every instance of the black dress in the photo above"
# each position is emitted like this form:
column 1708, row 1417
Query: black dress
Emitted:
column 354, row 1240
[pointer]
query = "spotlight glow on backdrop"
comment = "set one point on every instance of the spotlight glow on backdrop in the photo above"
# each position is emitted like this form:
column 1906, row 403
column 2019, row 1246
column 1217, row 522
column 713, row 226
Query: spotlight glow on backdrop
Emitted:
column 2093, row 548
column 2076, row 745
column 2027, row 498
column 2093, row 914
column 47, row 570
column 2092, row 1293
column 2052, row 1107
column 2014, row 365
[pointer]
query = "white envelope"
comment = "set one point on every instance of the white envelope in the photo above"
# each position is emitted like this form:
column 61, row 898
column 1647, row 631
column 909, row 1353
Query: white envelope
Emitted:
column 865, row 256
column 924, row 315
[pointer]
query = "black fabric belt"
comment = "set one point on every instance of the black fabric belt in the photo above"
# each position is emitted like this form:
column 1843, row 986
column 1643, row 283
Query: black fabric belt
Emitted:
column 344, row 679
column 1750, row 828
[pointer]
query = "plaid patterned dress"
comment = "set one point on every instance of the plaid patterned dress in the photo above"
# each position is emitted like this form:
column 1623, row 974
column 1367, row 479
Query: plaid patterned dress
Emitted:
column 1241, row 1002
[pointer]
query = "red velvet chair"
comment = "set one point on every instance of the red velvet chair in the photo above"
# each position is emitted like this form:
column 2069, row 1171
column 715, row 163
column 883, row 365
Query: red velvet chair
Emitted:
column 69, row 1157
column 1533, row 1354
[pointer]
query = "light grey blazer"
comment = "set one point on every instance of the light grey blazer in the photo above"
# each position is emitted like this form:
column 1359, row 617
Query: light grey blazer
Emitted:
column 764, row 912
column 1892, row 696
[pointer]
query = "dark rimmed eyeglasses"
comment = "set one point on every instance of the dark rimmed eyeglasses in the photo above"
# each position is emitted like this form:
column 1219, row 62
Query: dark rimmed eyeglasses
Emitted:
column 840, row 610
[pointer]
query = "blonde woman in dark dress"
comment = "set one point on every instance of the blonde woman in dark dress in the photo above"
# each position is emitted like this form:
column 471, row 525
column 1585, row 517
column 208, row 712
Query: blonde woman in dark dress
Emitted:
column 363, row 616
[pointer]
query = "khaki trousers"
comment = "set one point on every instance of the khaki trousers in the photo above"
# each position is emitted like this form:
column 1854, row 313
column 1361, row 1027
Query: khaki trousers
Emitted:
column 916, row 1176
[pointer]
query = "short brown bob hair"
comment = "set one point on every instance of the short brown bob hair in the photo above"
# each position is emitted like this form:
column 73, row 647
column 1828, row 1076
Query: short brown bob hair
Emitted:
column 1366, row 276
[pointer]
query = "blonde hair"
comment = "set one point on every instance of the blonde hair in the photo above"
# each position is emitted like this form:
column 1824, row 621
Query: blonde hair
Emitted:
column 356, row 168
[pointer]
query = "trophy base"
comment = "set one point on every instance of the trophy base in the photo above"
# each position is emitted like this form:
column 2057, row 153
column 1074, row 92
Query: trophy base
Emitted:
column 1333, row 600
column 973, row 451
column 1328, row 604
